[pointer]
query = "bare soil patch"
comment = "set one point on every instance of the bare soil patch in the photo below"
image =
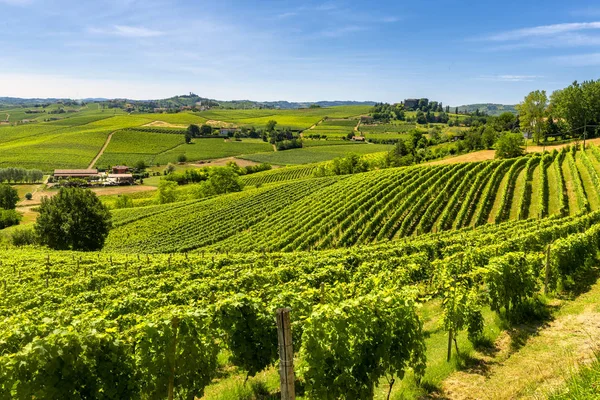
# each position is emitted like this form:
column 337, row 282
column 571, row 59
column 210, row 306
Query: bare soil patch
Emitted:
column 220, row 124
column 163, row 124
column 221, row 162
column 481, row 155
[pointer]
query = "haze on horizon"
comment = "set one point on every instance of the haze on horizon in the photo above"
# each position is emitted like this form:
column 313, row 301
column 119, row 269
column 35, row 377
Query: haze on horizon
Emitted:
column 296, row 51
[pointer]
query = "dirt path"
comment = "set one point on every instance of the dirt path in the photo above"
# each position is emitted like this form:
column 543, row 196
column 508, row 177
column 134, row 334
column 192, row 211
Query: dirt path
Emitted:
column 546, row 357
column 483, row 155
column 95, row 160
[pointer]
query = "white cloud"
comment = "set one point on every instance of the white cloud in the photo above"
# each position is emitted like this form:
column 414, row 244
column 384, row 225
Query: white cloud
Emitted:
column 128, row 31
column 543, row 31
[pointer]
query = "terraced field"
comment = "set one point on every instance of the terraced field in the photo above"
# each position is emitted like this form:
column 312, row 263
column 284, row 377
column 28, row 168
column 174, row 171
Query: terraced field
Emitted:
column 382, row 205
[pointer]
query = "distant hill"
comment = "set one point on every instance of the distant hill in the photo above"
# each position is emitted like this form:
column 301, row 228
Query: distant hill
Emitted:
column 488, row 108
column 190, row 100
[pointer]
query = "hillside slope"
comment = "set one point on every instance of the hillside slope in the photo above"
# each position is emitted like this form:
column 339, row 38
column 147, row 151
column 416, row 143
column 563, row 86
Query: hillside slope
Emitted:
column 372, row 207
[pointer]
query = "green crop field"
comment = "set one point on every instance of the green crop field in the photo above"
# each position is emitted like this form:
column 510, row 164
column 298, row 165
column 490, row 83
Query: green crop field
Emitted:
column 293, row 119
column 395, row 203
column 313, row 154
column 381, row 270
column 141, row 314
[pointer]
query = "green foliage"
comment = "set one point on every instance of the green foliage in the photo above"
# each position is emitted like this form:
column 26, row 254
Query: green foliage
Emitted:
column 9, row 218
column 532, row 113
column 509, row 145
column 221, row 180
column 73, row 219
column 175, row 347
column 8, row 197
column 348, row 347
column 166, row 191
column 249, row 331
column 192, row 132
column 511, row 280
column 23, row 237
column 70, row 365
column 28, row 196
column 124, row 201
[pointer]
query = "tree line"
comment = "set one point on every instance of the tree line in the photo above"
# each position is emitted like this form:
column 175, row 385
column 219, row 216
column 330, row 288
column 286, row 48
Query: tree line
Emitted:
column 20, row 175
column 572, row 112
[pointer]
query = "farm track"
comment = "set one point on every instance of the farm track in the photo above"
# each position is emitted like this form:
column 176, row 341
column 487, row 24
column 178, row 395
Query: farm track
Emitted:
column 483, row 155
column 527, row 367
column 95, row 160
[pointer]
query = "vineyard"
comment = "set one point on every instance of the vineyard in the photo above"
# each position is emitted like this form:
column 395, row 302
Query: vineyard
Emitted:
column 74, row 139
column 126, row 320
column 377, row 206
column 388, row 273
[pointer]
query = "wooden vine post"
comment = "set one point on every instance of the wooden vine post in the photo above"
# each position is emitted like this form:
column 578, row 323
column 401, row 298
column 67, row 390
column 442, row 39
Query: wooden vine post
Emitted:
column 547, row 275
column 286, row 354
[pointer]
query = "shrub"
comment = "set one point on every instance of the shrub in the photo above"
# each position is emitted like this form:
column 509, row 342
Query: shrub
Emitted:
column 182, row 158
column 9, row 218
column 28, row 196
column 23, row 237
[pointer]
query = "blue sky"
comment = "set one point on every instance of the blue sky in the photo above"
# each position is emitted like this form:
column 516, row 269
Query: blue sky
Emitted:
column 456, row 52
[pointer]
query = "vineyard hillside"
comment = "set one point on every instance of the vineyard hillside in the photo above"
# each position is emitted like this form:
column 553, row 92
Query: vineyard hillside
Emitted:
column 299, row 212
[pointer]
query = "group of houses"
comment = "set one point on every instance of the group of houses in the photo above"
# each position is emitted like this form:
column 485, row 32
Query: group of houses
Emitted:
column 118, row 175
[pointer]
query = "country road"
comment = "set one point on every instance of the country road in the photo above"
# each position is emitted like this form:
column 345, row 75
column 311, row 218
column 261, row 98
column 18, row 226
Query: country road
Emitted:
column 95, row 160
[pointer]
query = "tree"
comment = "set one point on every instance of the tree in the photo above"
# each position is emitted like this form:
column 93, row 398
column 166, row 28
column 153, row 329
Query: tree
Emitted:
column 188, row 137
column 140, row 165
column 222, row 180
column 505, row 122
column 206, row 130
column 166, row 191
column 532, row 112
column 271, row 125
column 74, row 219
column 8, row 197
column 509, row 145
column 192, row 131
column 488, row 137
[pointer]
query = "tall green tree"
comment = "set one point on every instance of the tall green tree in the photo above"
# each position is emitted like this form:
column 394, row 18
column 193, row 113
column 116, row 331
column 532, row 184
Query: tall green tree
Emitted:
column 578, row 105
column 8, row 197
column 271, row 125
column 74, row 219
column 192, row 131
column 532, row 113
column 206, row 130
